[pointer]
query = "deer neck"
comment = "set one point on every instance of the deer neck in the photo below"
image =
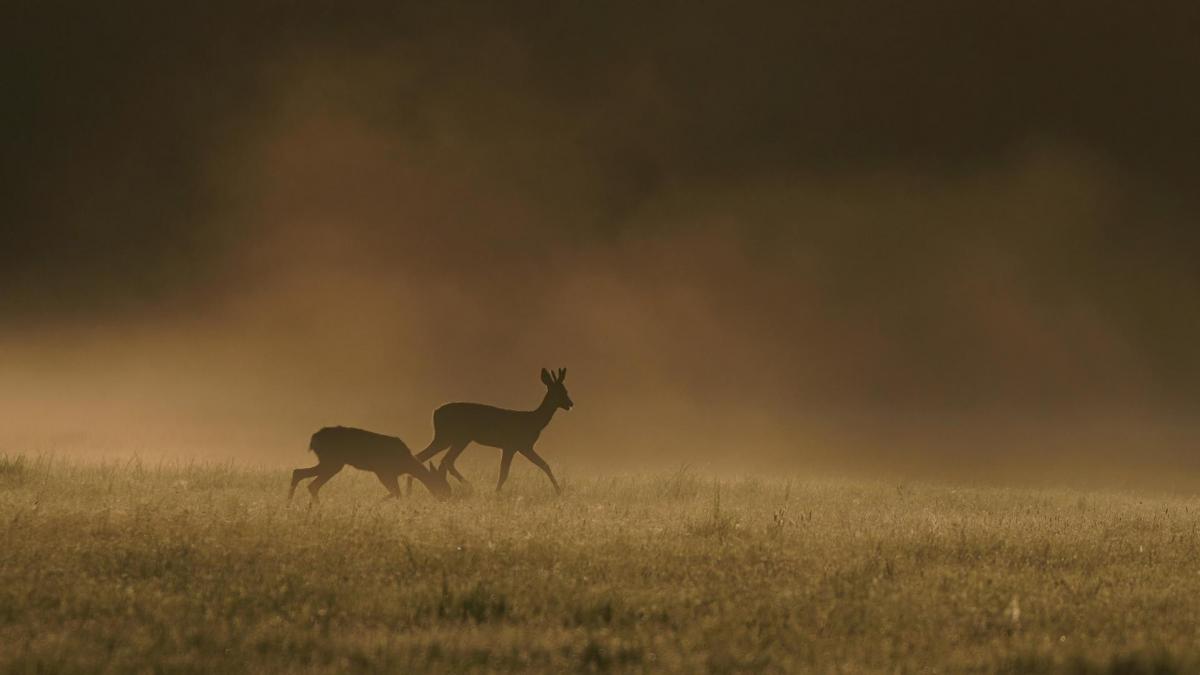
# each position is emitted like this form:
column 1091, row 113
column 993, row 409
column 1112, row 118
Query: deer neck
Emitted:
column 544, row 412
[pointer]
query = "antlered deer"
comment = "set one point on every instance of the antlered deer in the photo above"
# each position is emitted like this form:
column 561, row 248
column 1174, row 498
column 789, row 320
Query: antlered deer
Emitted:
column 456, row 425
column 386, row 456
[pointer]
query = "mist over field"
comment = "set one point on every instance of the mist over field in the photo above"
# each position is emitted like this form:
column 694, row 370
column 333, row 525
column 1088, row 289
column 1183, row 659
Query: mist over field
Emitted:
column 880, row 325
column 853, row 236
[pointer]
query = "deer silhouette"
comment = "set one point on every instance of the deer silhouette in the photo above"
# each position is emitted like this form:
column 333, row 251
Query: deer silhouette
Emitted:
column 457, row 425
column 386, row 456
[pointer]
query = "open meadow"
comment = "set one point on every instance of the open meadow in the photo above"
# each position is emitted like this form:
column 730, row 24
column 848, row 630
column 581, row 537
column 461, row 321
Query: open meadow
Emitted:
column 145, row 567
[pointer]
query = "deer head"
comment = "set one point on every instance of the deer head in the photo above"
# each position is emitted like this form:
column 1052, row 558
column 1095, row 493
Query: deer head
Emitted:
column 556, row 391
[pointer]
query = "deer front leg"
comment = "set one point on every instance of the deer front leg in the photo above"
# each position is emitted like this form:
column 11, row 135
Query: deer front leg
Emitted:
column 541, row 464
column 392, row 483
column 299, row 475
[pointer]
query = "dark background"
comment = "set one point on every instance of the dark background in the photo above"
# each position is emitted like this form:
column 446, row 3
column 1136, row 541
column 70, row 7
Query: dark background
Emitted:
column 848, row 228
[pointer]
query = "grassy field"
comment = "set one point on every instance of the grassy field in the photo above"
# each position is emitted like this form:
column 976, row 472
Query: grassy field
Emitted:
column 143, row 567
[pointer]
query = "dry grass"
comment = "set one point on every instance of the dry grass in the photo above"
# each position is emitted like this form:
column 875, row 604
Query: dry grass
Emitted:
column 128, row 567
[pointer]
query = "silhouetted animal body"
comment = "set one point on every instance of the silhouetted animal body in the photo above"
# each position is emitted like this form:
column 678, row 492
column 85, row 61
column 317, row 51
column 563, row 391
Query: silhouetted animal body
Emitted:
column 457, row 425
column 385, row 456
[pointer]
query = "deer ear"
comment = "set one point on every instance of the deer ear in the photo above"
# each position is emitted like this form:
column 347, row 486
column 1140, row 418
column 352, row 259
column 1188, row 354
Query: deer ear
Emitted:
column 546, row 379
column 562, row 374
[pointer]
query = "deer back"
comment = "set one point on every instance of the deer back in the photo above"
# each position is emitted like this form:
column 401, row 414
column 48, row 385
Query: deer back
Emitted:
column 361, row 449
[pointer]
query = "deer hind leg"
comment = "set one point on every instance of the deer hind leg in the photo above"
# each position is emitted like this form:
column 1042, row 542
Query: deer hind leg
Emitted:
column 448, row 460
column 391, row 481
column 299, row 475
column 435, row 446
column 541, row 464
column 505, row 465
column 326, row 472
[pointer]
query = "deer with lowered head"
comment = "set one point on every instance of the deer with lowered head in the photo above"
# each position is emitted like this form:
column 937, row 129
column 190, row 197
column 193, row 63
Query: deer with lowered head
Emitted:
column 385, row 456
column 457, row 425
